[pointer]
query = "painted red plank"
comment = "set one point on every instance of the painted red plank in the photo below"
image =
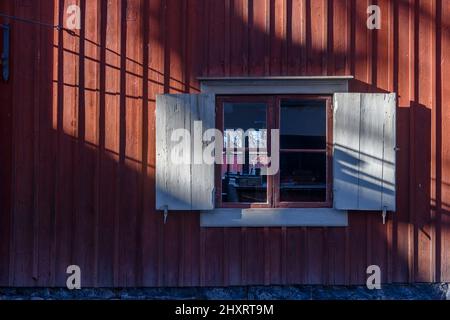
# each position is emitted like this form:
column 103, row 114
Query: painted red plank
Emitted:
column 131, row 141
column 67, row 132
column 296, row 255
column 423, row 133
column 109, row 75
column 254, row 256
column 274, row 256
column 86, row 146
column 316, row 14
column 213, row 266
column 277, row 36
column 295, row 43
column 6, row 166
column 402, row 70
column 316, row 259
column 357, row 247
column 152, row 222
column 336, row 254
column 239, row 38
column 337, row 36
column 445, row 183
column 258, row 37
column 47, row 144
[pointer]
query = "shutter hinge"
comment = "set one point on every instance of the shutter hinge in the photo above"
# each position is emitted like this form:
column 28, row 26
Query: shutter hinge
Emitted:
column 384, row 214
column 166, row 213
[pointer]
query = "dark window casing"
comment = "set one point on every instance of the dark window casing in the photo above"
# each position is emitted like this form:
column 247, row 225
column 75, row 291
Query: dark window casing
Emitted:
column 312, row 151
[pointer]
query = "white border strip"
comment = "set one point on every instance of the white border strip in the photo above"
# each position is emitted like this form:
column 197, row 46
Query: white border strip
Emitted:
column 282, row 217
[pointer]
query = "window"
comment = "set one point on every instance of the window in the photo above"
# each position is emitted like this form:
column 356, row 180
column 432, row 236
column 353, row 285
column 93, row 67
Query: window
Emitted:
column 330, row 162
column 305, row 150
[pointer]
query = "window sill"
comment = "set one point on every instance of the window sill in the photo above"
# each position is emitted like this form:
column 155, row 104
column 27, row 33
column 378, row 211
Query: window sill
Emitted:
column 282, row 217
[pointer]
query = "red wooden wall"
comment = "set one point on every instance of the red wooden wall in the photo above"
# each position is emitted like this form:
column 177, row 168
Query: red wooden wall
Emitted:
column 77, row 140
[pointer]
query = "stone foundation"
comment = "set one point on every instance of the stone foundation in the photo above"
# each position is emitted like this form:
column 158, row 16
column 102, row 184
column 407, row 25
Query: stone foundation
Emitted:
column 387, row 292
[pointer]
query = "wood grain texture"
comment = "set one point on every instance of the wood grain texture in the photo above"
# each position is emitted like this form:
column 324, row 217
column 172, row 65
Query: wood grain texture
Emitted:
column 184, row 181
column 78, row 140
column 364, row 151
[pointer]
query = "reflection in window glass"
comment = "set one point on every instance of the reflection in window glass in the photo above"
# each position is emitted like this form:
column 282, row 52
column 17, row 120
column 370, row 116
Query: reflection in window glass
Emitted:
column 303, row 124
column 303, row 177
column 245, row 128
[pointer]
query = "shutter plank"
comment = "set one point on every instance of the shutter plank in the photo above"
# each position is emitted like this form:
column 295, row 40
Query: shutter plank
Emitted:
column 371, row 151
column 182, row 186
column 202, row 184
column 364, row 151
column 173, row 180
column 346, row 150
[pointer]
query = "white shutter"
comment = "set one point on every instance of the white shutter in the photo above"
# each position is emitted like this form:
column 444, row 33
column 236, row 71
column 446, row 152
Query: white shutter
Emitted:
column 183, row 186
column 364, row 151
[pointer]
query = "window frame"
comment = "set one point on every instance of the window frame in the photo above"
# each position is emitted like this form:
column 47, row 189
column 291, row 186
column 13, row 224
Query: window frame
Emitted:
column 273, row 102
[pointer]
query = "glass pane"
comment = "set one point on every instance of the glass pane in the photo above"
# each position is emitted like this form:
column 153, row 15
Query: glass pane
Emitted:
column 303, row 177
column 303, row 124
column 239, row 118
column 242, row 181
column 241, row 178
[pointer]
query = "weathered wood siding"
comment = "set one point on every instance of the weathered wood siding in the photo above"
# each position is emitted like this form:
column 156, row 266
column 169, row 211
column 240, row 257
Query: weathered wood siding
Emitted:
column 364, row 151
column 77, row 144
column 186, row 183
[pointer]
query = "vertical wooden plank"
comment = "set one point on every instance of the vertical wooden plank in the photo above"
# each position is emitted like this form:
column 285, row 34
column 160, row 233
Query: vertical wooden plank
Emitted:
column 67, row 130
column 340, row 24
column 402, row 73
column 277, row 36
column 203, row 117
column 233, row 252
column 238, row 38
column 108, row 138
column 296, row 256
column 316, row 262
column 357, row 248
column 86, row 152
column 445, row 183
column 361, row 47
column 274, row 254
column 254, row 256
column 173, row 183
column 317, row 33
column 217, row 50
column 213, row 255
column 188, row 185
column 371, row 152
column 24, row 126
column 6, row 166
column 259, row 35
column 131, row 140
column 294, row 35
column 346, row 126
column 336, row 252
column 152, row 221
column 175, row 36
column 47, row 142
column 423, row 158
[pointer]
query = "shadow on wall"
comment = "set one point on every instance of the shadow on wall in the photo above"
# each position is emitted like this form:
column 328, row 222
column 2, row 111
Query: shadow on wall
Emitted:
column 88, row 173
